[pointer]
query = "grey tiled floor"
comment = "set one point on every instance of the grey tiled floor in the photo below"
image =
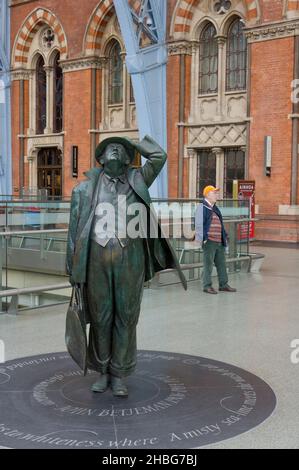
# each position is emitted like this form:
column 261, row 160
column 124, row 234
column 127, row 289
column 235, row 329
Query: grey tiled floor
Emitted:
column 252, row 329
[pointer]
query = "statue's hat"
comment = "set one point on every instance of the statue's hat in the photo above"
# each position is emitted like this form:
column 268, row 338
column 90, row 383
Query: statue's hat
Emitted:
column 125, row 141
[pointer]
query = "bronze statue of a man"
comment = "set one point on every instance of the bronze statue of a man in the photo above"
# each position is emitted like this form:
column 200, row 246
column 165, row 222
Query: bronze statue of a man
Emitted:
column 111, row 265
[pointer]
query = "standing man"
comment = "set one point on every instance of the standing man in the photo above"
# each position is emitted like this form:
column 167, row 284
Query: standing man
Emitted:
column 110, row 264
column 210, row 232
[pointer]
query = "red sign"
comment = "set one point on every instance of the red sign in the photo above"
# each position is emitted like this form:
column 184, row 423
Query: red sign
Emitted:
column 246, row 191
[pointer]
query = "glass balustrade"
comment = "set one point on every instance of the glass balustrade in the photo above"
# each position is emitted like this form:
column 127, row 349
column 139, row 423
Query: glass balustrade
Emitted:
column 33, row 245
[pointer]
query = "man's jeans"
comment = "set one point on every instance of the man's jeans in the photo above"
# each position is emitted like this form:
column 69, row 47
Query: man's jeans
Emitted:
column 214, row 252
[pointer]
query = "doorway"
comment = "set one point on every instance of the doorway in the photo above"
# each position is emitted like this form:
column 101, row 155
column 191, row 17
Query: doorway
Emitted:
column 49, row 171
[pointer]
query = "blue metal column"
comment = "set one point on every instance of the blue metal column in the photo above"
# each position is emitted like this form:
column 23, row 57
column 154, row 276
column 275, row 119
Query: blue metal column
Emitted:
column 144, row 34
column 5, row 108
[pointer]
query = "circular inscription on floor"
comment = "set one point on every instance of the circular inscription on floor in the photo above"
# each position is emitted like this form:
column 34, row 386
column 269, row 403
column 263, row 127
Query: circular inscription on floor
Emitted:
column 175, row 401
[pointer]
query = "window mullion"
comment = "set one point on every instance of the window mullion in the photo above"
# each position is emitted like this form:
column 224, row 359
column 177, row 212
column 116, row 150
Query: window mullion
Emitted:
column 221, row 74
column 49, row 92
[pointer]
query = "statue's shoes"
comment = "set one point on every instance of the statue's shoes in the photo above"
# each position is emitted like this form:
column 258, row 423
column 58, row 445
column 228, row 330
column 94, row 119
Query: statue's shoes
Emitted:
column 101, row 384
column 118, row 386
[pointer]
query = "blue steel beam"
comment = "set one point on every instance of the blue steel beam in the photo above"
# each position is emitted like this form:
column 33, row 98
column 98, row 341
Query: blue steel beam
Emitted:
column 144, row 34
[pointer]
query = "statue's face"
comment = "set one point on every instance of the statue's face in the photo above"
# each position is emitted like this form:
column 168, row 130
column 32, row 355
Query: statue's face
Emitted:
column 115, row 159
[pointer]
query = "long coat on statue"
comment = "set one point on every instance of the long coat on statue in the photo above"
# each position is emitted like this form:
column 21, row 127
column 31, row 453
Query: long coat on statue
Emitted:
column 159, row 254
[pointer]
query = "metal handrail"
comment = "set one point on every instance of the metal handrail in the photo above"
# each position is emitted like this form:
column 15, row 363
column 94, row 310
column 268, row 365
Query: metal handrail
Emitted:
column 31, row 232
column 32, row 290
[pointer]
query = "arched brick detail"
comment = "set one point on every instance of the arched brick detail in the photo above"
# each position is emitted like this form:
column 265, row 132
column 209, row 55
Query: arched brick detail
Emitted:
column 96, row 27
column 292, row 5
column 98, row 22
column 28, row 30
column 185, row 9
column 253, row 10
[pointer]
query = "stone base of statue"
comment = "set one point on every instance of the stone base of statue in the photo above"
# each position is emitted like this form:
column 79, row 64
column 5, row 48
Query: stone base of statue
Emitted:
column 175, row 401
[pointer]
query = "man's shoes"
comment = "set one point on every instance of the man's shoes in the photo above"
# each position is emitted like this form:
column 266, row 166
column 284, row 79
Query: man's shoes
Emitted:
column 210, row 290
column 227, row 289
column 118, row 386
column 101, row 385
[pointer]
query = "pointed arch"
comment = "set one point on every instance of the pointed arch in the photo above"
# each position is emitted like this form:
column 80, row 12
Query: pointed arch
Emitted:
column 96, row 27
column 185, row 9
column 31, row 25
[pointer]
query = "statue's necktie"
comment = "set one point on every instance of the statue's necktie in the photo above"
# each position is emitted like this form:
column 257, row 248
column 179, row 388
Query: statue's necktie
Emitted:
column 113, row 184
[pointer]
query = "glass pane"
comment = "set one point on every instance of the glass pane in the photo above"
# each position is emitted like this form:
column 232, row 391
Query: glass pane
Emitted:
column 208, row 65
column 58, row 95
column 50, row 171
column 41, row 96
column 236, row 61
column 206, row 170
column 234, row 169
column 115, row 74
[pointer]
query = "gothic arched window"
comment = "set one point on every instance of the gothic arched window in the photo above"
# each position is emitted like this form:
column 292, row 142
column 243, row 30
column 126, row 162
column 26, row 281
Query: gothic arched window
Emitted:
column 58, row 95
column 236, row 59
column 208, row 65
column 115, row 74
column 41, row 96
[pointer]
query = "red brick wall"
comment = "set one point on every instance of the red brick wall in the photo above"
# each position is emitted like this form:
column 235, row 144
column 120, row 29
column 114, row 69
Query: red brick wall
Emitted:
column 26, row 125
column 187, row 113
column 173, row 100
column 77, row 87
column 173, row 88
column 271, row 10
column 271, row 76
column 99, row 94
column 283, row 229
column 170, row 9
column 15, row 90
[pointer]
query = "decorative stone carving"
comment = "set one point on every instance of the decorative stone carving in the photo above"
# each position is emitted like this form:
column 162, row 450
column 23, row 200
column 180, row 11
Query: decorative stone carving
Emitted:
column 35, row 143
column 273, row 31
column 21, row 74
column 208, row 108
column 236, row 107
column 83, row 63
column 221, row 7
column 218, row 151
column 182, row 47
column 191, row 152
column 47, row 38
column 217, row 135
column 116, row 118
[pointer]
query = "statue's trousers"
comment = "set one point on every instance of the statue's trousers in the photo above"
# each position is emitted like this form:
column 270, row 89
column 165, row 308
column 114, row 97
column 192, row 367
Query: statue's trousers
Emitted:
column 115, row 281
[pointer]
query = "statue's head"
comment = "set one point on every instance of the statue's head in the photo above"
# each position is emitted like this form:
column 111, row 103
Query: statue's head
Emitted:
column 115, row 159
column 115, row 155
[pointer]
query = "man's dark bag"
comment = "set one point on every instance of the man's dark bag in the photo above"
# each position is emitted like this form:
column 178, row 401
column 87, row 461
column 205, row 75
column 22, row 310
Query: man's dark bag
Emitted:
column 75, row 331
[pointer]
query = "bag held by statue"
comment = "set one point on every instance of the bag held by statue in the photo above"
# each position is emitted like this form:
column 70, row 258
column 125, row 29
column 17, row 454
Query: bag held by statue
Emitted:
column 75, row 330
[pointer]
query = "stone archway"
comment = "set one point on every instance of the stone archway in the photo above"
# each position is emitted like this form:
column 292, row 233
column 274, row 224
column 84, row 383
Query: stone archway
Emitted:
column 98, row 22
column 26, row 34
column 96, row 26
column 184, row 13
